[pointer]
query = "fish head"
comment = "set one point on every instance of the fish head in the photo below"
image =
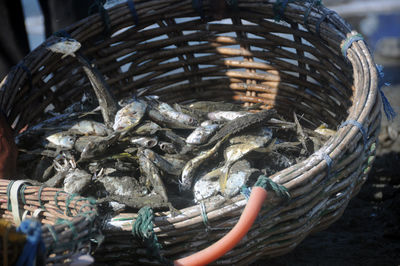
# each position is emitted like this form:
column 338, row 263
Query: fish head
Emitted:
column 66, row 46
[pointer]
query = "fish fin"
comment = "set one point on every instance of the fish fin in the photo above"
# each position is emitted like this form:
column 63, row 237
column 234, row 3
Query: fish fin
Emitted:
column 64, row 56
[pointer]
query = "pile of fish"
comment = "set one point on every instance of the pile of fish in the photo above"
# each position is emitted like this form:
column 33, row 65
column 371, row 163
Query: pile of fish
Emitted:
column 161, row 155
column 142, row 151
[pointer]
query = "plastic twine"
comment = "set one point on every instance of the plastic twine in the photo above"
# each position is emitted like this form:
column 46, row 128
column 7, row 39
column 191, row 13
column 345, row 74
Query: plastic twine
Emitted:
column 34, row 243
column 360, row 127
column 143, row 229
column 269, row 185
column 387, row 108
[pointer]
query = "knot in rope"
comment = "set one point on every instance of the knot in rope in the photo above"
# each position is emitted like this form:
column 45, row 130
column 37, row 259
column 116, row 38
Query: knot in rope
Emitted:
column 143, row 229
column 269, row 185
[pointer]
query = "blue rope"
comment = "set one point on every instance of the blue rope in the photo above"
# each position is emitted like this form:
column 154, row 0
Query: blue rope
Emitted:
column 132, row 8
column 34, row 242
column 198, row 6
column 204, row 215
column 245, row 191
column 308, row 11
column 323, row 17
column 329, row 162
column 360, row 127
column 387, row 108
column 349, row 41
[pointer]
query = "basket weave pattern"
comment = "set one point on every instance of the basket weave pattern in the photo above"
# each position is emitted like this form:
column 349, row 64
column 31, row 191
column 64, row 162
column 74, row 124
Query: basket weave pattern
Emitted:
column 248, row 57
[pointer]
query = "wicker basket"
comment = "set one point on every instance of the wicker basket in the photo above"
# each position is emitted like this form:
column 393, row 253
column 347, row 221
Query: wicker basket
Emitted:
column 68, row 221
column 308, row 62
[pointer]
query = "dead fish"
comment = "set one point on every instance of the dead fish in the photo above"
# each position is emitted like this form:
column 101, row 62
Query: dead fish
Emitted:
column 162, row 163
column 98, row 147
column 121, row 185
column 237, row 151
column 65, row 46
column 201, row 134
column 150, row 171
column 191, row 166
column 147, row 128
column 197, row 114
column 169, row 112
column 83, row 141
column 226, row 115
column 87, row 127
column 76, row 181
column 167, row 147
column 208, row 185
column 62, row 140
column 273, row 162
column 145, row 142
column 130, row 115
column 210, row 106
column 166, row 121
column 238, row 176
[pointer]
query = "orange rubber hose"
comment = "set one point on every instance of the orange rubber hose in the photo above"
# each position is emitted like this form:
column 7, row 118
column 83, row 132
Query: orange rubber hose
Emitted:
column 219, row 248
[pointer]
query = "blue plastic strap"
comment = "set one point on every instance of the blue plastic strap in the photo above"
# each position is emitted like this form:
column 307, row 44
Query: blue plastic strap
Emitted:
column 387, row 108
column 349, row 41
column 323, row 17
column 360, row 127
column 34, row 242
column 132, row 8
column 329, row 162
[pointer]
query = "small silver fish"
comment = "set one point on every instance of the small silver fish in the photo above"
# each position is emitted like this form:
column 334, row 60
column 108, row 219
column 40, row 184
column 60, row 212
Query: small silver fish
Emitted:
column 147, row 128
column 201, row 134
column 150, row 171
column 237, row 151
column 145, row 142
column 191, row 166
column 167, row 110
column 120, row 186
column 76, row 180
column 225, row 115
column 65, row 46
column 129, row 115
column 162, row 163
column 87, row 127
column 167, row 147
column 62, row 140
